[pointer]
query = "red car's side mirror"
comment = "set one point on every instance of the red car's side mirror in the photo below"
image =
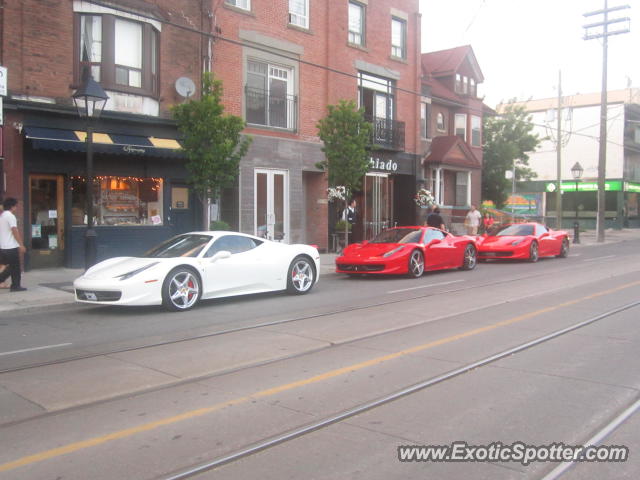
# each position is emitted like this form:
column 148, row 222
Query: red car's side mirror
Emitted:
column 364, row 242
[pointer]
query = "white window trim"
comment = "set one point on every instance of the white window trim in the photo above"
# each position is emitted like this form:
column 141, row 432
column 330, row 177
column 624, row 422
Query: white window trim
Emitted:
column 455, row 124
column 82, row 6
column 248, row 8
column 305, row 18
column 479, row 130
column 362, row 33
column 403, row 46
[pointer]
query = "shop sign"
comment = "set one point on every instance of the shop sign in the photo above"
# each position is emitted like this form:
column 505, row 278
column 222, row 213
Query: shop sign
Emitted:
column 130, row 149
column 381, row 164
column 609, row 186
column 3, row 81
column 390, row 165
column 632, row 187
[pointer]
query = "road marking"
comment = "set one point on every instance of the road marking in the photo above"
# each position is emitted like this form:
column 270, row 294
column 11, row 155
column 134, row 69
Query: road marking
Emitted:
column 189, row 415
column 597, row 258
column 425, row 286
column 35, row 348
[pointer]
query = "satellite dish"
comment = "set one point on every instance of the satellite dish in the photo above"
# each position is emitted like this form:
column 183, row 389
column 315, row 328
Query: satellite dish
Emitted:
column 185, row 87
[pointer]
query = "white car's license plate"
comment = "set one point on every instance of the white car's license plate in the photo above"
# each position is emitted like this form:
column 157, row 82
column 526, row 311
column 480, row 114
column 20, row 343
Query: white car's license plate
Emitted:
column 91, row 296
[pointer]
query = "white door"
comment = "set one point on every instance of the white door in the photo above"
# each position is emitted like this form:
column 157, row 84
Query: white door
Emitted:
column 271, row 208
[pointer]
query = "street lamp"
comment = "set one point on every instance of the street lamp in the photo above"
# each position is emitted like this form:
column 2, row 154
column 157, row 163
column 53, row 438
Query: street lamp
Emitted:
column 576, row 172
column 90, row 100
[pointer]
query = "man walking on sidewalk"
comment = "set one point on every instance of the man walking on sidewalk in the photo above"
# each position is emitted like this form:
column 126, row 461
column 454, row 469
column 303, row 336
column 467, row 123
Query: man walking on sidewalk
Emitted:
column 11, row 245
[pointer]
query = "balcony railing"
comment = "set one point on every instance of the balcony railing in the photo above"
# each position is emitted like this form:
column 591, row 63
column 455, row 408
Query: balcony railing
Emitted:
column 387, row 134
column 264, row 108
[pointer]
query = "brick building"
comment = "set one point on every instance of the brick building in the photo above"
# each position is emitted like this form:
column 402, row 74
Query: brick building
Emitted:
column 281, row 63
column 452, row 132
column 136, row 50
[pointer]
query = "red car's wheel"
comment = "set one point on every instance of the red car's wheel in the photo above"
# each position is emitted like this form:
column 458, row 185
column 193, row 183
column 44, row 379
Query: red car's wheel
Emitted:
column 416, row 264
column 564, row 248
column 533, row 252
column 470, row 258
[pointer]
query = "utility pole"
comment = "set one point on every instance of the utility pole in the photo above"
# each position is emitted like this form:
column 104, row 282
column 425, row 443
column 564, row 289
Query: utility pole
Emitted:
column 559, row 156
column 602, row 152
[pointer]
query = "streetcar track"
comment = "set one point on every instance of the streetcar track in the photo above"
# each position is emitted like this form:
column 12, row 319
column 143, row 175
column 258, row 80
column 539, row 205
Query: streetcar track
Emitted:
column 299, row 432
column 328, row 313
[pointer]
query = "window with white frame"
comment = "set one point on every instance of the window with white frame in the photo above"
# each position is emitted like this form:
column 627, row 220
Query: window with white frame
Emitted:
column 440, row 122
column 462, row 190
column 243, row 4
column 424, row 123
column 458, row 86
column 120, row 53
column 269, row 95
column 398, row 38
column 476, row 131
column 356, row 23
column 461, row 126
column 299, row 13
column 472, row 88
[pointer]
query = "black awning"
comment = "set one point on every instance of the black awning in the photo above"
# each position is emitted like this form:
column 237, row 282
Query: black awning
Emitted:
column 118, row 144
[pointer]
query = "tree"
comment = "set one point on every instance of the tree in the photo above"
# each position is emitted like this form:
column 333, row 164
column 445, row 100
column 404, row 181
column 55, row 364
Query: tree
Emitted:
column 507, row 138
column 346, row 136
column 212, row 142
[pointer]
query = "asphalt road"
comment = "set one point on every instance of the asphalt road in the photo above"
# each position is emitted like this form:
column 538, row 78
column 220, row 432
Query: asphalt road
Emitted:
column 142, row 393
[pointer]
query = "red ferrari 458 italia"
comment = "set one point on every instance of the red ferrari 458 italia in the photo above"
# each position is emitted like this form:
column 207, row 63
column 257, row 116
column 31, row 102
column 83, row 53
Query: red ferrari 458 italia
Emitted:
column 408, row 251
column 523, row 241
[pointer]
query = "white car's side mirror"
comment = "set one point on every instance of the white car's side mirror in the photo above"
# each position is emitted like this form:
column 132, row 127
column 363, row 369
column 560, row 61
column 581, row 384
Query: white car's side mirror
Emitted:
column 220, row 256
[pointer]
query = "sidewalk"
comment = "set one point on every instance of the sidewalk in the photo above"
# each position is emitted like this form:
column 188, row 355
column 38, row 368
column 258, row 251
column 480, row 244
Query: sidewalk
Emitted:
column 50, row 287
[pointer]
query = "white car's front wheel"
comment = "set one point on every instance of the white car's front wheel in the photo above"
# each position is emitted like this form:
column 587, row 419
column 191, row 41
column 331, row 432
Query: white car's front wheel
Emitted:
column 301, row 275
column 181, row 289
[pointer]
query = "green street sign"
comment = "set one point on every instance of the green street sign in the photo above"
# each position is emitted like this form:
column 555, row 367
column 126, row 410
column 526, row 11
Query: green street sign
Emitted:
column 609, row 186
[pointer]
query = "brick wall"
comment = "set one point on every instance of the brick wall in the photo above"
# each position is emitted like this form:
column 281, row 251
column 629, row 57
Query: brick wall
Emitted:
column 39, row 44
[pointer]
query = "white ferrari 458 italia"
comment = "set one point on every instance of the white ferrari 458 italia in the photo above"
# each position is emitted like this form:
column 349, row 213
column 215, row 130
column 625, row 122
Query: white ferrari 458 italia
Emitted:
column 200, row 265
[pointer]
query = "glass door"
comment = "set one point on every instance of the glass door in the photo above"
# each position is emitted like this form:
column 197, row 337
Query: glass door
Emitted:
column 271, row 204
column 46, row 213
column 377, row 205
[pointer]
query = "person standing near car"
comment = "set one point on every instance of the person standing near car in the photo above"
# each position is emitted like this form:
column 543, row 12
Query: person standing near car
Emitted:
column 11, row 245
column 350, row 215
column 434, row 219
column 472, row 221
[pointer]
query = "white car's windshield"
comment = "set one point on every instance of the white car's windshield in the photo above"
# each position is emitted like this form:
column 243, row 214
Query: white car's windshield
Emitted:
column 180, row 246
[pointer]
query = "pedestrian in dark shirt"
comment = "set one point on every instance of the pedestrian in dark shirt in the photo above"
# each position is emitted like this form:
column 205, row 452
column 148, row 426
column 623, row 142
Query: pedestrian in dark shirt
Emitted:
column 435, row 220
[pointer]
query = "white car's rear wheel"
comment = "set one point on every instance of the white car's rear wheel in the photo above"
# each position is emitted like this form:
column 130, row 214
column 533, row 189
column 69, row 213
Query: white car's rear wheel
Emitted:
column 181, row 289
column 301, row 275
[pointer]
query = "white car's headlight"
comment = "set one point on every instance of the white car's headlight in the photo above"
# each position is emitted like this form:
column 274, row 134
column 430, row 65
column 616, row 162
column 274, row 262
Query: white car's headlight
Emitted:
column 128, row 275
column 391, row 252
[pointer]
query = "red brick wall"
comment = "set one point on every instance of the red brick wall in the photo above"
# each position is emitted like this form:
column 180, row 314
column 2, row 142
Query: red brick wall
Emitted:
column 325, row 44
column 38, row 40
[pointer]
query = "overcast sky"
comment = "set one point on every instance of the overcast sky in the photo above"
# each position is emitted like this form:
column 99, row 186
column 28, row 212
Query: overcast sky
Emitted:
column 521, row 44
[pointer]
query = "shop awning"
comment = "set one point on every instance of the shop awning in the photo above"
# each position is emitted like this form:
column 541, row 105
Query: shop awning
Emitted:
column 118, row 144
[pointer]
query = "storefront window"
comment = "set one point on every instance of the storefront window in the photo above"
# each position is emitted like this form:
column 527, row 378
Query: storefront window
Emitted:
column 119, row 201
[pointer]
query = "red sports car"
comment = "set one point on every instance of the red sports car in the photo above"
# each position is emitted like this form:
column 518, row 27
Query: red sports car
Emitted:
column 523, row 241
column 408, row 251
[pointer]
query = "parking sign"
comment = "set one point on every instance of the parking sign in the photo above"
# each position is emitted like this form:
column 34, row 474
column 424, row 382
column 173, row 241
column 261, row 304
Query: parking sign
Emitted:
column 3, row 81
